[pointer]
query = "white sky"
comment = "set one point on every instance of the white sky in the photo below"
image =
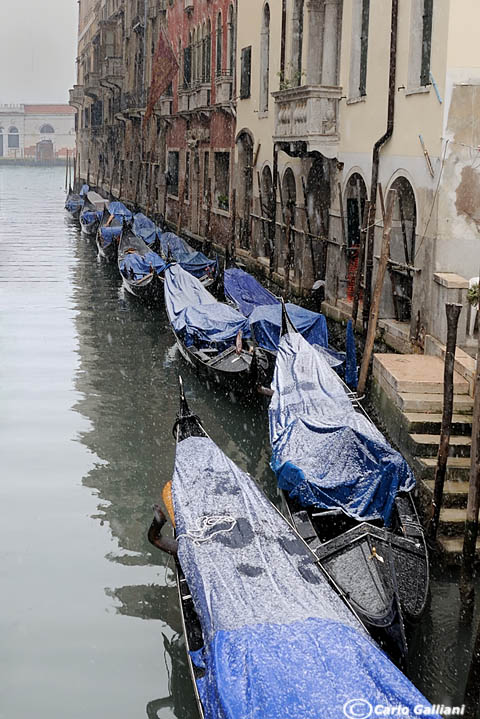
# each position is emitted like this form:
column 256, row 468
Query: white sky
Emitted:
column 38, row 42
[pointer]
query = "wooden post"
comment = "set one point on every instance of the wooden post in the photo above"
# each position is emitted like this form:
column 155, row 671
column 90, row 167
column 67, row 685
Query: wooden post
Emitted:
column 209, row 210
column 74, row 172
column 453, row 313
column 66, row 174
column 233, row 231
column 373, row 318
column 261, row 210
column 309, row 228
column 88, row 171
column 472, row 689
column 361, row 260
column 467, row 591
column 181, row 200
column 286, row 269
column 342, row 214
column 120, row 179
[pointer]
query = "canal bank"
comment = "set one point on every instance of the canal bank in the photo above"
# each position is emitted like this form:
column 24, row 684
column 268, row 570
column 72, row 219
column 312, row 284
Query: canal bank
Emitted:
column 89, row 618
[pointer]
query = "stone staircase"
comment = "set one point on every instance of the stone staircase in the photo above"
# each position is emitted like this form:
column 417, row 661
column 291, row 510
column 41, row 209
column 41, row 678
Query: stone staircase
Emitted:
column 408, row 391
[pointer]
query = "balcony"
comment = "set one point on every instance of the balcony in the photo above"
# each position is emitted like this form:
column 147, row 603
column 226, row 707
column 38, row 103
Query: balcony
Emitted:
column 113, row 70
column 92, row 86
column 309, row 115
column 76, row 96
column 132, row 102
column 224, row 87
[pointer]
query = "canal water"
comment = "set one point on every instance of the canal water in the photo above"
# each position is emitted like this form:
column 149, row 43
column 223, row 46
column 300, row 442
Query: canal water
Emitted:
column 89, row 621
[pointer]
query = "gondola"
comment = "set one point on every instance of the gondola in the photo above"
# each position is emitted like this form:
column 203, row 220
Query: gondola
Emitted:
column 195, row 263
column 114, row 219
column 348, row 493
column 211, row 336
column 147, row 230
column 91, row 213
column 267, row 635
column 141, row 269
column 264, row 311
column 73, row 204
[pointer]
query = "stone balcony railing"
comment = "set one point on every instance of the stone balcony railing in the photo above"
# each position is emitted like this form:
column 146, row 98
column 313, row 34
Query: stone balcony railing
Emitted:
column 308, row 114
column 76, row 96
column 223, row 87
column 92, row 84
column 195, row 97
column 113, row 69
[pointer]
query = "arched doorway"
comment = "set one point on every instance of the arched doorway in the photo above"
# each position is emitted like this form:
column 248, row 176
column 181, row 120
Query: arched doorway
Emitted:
column 13, row 141
column 289, row 209
column 354, row 206
column 318, row 212
column 402, row 248
column 44, row 151
column 245, row 186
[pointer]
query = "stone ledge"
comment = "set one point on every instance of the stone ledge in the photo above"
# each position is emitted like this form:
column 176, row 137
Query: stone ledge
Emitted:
column 450, row 280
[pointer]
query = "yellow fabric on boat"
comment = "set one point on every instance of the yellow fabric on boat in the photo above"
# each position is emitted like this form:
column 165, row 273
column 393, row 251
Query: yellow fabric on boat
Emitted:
column 168, row 501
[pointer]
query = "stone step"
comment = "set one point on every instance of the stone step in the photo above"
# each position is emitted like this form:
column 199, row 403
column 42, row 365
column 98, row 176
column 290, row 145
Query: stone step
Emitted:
column 453, row 547
column 426, row 445
column 455, row 492
column 458, row 468
column 429, row 402
column 415, row 373
column 452, row 521
column 430, row 423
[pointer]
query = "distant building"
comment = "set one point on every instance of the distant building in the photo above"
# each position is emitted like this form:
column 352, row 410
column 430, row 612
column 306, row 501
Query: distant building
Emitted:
column 41, row 133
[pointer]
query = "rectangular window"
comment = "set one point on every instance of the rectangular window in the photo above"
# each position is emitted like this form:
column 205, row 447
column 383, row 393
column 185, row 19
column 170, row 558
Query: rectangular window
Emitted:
column 246, row 72
column 222, row 180
column 172, row 170
column 187, row 176
column 206, row 175
column 362, row 87
column 187, row 67
column 426, row 42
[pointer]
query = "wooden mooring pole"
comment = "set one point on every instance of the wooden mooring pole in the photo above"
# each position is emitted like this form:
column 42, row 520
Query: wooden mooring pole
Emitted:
column 453, row 313
column 377, row 294
column 467, row 591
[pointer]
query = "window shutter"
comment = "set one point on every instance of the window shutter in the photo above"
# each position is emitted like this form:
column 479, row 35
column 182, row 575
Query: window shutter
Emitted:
column 187, row 66
column 364, row 48
column 426, row 42
column 246, row 71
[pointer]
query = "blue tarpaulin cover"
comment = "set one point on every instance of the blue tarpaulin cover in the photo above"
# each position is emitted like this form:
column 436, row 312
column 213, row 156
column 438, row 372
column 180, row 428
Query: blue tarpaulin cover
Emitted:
column 134, row 266
column 325, row 454
column 196, row 315
column 109, row 233
column 196, row 263
column 266, row 325
column 245, row 292
column 74, row 202
column 351, row 370
column 120, row 212
column 145, row 228
column 278, row 640
column 89, row 216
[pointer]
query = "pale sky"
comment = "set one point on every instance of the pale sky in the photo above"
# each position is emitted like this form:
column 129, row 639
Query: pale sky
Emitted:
column 38, row 42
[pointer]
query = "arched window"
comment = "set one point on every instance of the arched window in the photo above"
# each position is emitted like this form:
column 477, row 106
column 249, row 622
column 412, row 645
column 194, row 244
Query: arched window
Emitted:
column 265, row 58
column 13, row 138
column 199, row 54
column 46, row 129
column 231, row 40
column 354, row 205
column 218, row 64
column 297, row 43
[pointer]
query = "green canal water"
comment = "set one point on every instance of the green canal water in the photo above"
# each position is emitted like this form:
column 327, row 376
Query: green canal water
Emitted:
column 89, row 621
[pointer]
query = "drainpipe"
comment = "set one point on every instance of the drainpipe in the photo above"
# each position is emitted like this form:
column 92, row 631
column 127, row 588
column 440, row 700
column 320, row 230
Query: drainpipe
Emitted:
column 376, row 162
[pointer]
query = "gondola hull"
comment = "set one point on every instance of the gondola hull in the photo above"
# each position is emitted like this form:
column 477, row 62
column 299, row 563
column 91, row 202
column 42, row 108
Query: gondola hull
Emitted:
column 107, row 252
column 150, row 291
column 89, row 228
column 229, row 370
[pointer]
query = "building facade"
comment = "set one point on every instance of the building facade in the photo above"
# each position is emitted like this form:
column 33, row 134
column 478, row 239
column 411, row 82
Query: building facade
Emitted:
column 40, row 133
column 287, row 123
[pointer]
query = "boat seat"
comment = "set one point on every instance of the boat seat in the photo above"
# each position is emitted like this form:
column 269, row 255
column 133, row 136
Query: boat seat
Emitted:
column 329, row 513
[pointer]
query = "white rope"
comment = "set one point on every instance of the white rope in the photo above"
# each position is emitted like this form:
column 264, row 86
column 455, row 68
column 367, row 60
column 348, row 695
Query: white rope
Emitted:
column 198, row 534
